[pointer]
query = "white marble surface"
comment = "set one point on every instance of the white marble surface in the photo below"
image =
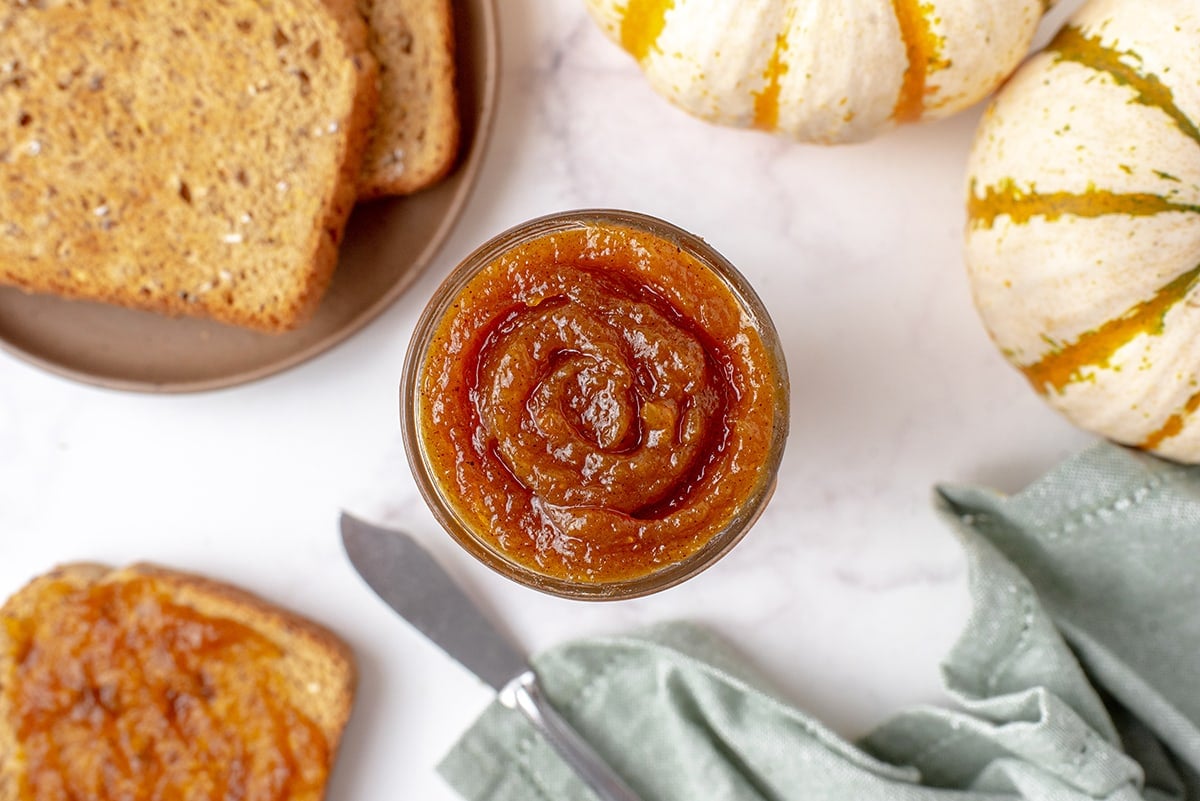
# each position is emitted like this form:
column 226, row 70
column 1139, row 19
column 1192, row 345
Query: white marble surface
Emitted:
column 846, row 593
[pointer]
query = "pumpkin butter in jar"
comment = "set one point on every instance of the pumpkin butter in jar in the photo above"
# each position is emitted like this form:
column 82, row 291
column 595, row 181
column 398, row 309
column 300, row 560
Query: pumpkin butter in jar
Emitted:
column 595, row 404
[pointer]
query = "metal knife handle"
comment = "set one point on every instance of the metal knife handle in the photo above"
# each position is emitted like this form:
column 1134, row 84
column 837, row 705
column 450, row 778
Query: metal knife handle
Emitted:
column 525, row 696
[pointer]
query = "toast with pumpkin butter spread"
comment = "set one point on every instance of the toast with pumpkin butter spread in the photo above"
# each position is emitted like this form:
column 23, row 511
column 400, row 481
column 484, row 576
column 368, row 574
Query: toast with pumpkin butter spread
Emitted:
column 148, row 683
column 183, row 156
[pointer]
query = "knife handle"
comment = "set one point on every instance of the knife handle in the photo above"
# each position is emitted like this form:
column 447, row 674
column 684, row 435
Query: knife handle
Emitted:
column 524, row 694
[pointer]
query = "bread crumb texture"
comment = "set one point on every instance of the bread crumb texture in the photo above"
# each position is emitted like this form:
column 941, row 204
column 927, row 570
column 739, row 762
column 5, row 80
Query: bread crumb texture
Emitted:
column 416, row 136
column 146, row 683
column 193, row 157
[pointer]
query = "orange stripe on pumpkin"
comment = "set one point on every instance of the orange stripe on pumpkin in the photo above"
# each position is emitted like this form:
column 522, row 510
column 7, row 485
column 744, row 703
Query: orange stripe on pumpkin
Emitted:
column 924, row 48
column 766, row 102
column 1006, row 199
column 1096, row 348
column 1174, row 424
column 1073, row 45
column 642, row 22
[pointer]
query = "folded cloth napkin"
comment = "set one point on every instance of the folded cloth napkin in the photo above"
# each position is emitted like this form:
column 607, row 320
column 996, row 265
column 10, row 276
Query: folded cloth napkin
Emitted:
column 1077, row 677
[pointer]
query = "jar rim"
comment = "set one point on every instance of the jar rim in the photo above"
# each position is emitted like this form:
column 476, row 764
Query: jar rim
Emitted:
column 748, row 510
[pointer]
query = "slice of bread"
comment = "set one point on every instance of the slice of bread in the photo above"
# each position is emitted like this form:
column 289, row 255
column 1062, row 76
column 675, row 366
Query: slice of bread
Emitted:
column 183, row 156
column 148, row 682
column 416, row 135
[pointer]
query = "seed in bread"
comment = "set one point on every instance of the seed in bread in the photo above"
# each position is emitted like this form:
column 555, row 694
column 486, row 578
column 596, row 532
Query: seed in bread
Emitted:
column 149, row 683
column 183, row 156
column 416, row 135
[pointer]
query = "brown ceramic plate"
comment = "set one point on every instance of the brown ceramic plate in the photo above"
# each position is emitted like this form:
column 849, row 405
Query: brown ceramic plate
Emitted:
column 387, row 244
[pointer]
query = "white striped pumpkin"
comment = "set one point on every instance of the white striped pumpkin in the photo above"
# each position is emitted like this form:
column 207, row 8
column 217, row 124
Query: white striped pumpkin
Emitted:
column 823, row 70
column 1083, row 242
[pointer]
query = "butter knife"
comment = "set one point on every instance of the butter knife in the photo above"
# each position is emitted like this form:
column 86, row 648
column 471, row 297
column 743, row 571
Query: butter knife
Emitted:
column 410, row 581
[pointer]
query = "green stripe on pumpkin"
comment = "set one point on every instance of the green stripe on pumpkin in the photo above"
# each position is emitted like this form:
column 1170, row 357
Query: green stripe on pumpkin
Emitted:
column 1072, row 44
column 642, row 22
column 1174, row 424
column 1006, row 199
column 1096, row 348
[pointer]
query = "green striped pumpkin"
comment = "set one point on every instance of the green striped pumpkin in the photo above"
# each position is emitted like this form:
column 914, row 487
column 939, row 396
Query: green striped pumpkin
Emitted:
column 823, row 70
column 1082, row 248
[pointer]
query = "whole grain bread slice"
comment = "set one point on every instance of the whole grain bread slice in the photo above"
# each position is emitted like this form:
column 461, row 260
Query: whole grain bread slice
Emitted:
column 309, row 669
column 182, row 156
column 416, row 136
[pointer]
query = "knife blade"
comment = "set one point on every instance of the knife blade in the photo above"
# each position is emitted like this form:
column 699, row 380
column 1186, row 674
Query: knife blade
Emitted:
column 409, row 580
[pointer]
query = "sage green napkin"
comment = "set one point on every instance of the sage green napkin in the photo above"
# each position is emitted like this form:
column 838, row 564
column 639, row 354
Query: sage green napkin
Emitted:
column 1077, row 677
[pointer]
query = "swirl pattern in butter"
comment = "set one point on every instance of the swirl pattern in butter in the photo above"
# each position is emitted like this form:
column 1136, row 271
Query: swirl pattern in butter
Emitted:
column 598, row 404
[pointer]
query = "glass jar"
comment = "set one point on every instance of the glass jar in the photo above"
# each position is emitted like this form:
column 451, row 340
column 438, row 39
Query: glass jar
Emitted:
column 595, row 404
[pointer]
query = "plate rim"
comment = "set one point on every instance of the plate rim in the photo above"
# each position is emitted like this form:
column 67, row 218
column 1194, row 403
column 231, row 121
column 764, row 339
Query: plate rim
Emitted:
column 468, row 172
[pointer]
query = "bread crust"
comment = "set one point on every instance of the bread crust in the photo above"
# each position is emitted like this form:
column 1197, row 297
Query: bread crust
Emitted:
column 358, row 136
column 317, row 667
column 416, row 137
column 114, row 191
